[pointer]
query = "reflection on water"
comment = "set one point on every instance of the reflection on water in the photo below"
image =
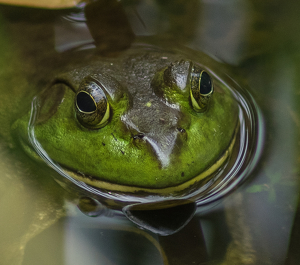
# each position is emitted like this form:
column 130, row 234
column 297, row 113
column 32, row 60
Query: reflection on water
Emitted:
column 253, row 225
column 87, row 241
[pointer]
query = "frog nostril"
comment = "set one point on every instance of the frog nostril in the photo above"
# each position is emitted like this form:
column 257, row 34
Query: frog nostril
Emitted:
column 138, row 136
column 181, row 130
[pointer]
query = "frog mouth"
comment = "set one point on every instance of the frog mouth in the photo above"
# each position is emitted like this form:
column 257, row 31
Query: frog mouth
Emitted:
column 172, row 190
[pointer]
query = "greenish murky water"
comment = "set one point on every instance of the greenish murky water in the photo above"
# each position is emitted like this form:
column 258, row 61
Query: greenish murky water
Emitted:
column 257, row 45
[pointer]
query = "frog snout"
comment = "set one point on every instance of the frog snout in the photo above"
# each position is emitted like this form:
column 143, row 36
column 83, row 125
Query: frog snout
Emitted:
column 162, row 128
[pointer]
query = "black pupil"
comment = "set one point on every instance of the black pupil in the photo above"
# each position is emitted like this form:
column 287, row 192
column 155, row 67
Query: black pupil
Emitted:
column 85, row 102
column 205, row 84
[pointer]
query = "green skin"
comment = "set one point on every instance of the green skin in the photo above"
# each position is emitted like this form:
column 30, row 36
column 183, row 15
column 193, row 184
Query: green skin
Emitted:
column 140, row 102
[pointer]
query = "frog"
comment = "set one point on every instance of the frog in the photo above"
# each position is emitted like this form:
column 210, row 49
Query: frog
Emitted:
column 150, row 98
column 132, row 130
column 147, row 121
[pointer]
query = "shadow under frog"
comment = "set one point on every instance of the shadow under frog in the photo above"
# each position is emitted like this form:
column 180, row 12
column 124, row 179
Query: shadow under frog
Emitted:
column 146, row 129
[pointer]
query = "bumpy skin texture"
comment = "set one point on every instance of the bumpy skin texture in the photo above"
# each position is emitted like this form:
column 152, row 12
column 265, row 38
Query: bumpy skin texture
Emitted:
column 153, row 139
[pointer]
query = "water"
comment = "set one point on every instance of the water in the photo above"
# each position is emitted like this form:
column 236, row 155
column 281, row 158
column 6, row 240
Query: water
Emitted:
column 254, row 224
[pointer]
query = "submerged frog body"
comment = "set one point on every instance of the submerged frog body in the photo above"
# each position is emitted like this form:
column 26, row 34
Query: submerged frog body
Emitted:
column 138, row 122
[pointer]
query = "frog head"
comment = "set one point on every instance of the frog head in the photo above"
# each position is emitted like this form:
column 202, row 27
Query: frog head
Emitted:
column 148, row 124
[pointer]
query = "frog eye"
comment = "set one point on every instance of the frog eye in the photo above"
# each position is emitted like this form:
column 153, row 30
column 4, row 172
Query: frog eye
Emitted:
column 201, row 89
column 91, row 105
